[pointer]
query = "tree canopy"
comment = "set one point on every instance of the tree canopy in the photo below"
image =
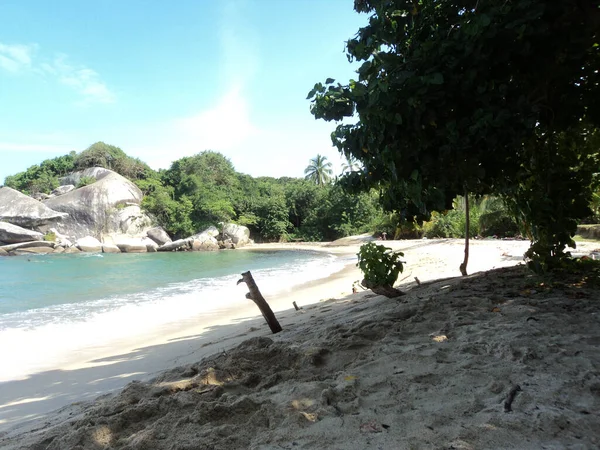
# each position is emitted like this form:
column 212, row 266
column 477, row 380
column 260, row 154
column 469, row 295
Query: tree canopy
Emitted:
column 488, row 97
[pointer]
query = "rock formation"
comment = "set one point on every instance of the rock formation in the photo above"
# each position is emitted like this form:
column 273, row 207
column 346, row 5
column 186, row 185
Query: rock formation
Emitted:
column 108, row 207
column 20, row 209
column 13, row 234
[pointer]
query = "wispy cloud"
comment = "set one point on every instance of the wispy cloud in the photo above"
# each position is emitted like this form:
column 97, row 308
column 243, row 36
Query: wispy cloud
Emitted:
column 16, row 57
column 86, row 82
column 46, row 148
column 83, row 80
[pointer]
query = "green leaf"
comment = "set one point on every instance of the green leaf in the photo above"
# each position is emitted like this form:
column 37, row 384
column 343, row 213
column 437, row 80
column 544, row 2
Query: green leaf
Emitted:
column 329, row 80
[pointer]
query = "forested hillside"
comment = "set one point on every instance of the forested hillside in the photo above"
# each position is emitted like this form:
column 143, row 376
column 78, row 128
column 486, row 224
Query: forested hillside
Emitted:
column 204, row 189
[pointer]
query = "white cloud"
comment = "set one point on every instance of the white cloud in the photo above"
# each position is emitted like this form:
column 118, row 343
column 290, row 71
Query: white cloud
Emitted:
column 16, row 57
column 81, row 79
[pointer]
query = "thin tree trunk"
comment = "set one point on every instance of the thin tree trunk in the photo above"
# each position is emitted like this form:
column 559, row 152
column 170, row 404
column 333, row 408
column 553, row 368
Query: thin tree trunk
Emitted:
column 463, row 266
column 260, row 301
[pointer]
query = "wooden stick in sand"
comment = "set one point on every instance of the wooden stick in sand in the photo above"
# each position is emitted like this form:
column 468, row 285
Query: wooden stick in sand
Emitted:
column 260, row 301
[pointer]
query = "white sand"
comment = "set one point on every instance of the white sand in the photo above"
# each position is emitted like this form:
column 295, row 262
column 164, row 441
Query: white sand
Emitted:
column 358, row 371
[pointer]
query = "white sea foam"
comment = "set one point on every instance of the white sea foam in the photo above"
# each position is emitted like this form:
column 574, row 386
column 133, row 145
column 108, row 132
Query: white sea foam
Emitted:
column 39, row 339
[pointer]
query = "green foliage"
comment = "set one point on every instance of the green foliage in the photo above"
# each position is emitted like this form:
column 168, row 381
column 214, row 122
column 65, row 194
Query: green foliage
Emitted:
column 43, row 177
column 379, row 264
column 495, row 98
column 488, row 215
column 85, row 181
column 113, row 158
column 50, row 237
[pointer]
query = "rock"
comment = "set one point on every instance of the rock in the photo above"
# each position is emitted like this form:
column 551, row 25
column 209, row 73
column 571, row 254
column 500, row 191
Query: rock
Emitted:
column 60, row 239
column 59, row 249
column 204, row 246
column 131, row 245
column 158, row 235
column 39, row 196
column 13, row 234
column 72, row 250
column 3, row 252
column 33, row 250
column 180, row 244
column 89, row 244
column 239, row 234
column 24, row 211
column 110, row 248
column 210, row 231
column 74, row 178
column 110, row 206
column 63, row 189
column 151, row 246
column 205, row 240
column 33, row 244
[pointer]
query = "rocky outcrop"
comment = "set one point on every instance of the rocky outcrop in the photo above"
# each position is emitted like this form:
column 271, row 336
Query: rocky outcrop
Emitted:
column 239, row 234
column 180, row 244
column 74, row 178
column 61, row 190
column 130, row 245
column 3, row 252
column 110, row 248
column 110, row 206
column 24, row 211
column 13, row 234
column 158, row 235
column 59, row 239
column 89, row 244
column 206, row 240
column 33, row 244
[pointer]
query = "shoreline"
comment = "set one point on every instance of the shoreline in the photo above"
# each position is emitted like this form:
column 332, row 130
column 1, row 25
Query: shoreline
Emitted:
column 24, row 403
column 103, row 369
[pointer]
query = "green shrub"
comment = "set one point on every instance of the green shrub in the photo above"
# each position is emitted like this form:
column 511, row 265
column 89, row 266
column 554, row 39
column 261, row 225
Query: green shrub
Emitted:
column 85, row 181
column 498, row 223
column 50, row 237
column 379, row 264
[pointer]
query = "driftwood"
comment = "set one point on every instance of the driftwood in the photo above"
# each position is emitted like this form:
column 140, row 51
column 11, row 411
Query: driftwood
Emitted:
column 260, row 301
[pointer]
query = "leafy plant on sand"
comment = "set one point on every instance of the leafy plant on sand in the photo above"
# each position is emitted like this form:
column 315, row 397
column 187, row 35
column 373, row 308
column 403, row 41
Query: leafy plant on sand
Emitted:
column 381, row 267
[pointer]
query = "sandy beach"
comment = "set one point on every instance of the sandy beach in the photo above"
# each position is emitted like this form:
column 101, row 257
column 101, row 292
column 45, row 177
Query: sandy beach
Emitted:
column 350, row 371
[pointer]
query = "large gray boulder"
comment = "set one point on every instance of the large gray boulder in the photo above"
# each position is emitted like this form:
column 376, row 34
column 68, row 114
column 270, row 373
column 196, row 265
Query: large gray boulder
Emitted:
column 89, row 244
column 158, row 235
column 63, row 189
column 131, row 245
column 109, row 206
column 13, row 234
column 239, row 234
column 24, row 211
column 33, row 244
column 180, row 244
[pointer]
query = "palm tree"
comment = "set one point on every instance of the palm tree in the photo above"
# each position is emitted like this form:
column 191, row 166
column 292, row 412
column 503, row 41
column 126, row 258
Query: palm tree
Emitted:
column 351, row 164
column 319, row 170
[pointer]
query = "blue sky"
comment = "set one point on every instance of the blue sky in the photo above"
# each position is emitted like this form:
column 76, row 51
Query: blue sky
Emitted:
column 164, row 80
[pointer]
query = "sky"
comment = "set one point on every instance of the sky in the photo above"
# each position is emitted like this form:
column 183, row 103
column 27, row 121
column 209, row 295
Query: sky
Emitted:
column 163, row 80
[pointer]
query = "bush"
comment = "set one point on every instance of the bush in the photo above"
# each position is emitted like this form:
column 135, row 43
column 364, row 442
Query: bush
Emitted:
column 379, row 264
column 85, row 181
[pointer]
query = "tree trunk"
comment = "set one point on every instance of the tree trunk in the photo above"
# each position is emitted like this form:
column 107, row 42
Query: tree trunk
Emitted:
column 463, row 266
column 260, row 301
column 388, row 291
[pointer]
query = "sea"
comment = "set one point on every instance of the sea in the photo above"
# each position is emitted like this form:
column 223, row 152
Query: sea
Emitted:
column 52, row 306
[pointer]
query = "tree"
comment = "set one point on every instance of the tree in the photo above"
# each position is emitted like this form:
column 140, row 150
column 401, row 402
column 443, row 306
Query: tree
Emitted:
column 319, row 170
column 489, row 97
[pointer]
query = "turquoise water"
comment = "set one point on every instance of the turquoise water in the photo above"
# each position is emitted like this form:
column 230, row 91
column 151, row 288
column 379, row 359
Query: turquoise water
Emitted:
column 52, row 305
